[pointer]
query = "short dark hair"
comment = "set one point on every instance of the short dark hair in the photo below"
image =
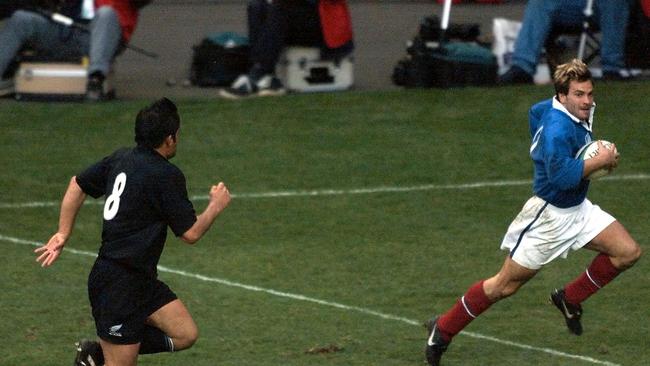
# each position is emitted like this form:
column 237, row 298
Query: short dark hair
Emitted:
column 574, row 70
column 155, row 122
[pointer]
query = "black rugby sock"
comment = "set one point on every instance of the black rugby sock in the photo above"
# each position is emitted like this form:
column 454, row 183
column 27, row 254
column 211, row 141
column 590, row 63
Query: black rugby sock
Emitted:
column 155, row 340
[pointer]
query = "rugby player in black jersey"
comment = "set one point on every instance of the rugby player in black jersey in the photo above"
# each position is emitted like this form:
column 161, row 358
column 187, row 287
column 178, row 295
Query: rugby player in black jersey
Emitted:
column 134, row 312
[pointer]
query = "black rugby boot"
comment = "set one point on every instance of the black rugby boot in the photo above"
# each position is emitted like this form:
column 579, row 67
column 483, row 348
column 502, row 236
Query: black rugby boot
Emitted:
column 89, row 353
column 571, row 312
column 436, row 345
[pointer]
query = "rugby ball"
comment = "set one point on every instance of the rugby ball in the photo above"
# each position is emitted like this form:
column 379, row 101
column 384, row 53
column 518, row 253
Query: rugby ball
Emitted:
column 589, row 151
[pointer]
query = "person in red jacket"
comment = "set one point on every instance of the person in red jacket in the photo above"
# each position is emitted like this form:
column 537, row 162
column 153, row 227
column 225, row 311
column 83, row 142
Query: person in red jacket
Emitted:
column 273, row 24
column 110, row 22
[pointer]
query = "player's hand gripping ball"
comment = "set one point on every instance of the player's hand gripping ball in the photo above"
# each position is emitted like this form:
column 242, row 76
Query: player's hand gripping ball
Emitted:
column 591, row 150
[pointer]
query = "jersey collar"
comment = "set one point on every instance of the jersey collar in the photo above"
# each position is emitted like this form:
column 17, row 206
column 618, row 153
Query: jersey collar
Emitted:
column 586, row 124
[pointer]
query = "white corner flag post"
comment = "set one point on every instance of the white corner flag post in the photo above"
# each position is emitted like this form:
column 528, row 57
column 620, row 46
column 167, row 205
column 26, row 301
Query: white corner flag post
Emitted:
column 444, row 21
column 586, row 23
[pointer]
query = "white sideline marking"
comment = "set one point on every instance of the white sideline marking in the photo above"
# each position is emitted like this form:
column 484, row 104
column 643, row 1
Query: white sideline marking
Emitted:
column 335, row 192
column 330, row 304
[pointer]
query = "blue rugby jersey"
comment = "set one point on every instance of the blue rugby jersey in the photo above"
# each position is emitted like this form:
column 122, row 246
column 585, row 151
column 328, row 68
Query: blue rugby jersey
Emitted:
column 556, row 138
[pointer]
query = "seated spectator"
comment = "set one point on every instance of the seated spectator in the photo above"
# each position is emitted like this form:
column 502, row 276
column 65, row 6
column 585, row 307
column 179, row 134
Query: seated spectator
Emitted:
column 274, row 24
column 111, row 24
column 540, row 16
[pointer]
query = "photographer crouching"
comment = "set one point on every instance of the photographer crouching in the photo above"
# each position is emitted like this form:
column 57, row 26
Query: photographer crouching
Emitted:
column 70, row 29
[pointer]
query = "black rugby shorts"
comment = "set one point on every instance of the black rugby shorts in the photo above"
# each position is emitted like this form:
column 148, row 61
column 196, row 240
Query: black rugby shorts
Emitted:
column 121, row 301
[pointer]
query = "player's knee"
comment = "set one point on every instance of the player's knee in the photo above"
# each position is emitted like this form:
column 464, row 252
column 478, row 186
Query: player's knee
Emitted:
column 192, row 336
column 508, row 290
column 500, row 292
column 22, row 16
column 630, row 257
column 186, row 338
column 22, row 21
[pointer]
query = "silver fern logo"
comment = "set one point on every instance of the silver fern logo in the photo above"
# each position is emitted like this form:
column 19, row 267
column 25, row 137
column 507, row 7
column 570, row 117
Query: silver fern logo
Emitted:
column 115, row 330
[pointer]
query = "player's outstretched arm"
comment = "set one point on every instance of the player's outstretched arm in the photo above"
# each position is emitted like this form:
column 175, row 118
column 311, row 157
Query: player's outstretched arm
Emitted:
column 219, row 200
column 72, row 200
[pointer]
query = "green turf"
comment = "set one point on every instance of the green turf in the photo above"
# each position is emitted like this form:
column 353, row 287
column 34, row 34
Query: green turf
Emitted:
column 405, row 255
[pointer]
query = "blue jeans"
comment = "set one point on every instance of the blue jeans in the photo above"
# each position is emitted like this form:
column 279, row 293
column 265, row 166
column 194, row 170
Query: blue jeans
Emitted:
column 54, row 40
column 540, row 16
column 272, row 26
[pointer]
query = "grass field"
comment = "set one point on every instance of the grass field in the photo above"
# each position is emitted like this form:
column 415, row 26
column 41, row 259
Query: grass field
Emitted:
column 355, row 217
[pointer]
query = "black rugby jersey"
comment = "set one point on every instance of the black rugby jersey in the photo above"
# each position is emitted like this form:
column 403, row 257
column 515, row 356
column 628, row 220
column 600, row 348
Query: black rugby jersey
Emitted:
column 144, row 194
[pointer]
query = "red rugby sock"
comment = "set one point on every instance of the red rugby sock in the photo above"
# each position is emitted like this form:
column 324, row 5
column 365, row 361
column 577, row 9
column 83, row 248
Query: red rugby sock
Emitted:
column 601, row 271
column 466, row 309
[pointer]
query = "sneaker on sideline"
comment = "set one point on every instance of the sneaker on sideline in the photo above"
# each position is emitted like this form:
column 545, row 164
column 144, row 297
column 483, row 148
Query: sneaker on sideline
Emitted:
column 270, row 86
column 515, row 75
column 621, row 75
column 242, row 87
column 97, row 89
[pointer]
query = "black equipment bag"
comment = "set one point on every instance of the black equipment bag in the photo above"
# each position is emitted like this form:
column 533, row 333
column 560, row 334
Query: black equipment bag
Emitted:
column 463, row 64
column 219, row 59
column 452, row 64
column 459, row 61
column 444, row 56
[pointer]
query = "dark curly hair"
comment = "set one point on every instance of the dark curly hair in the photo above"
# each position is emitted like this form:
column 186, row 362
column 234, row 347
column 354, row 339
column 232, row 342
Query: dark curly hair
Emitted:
column 155, row 122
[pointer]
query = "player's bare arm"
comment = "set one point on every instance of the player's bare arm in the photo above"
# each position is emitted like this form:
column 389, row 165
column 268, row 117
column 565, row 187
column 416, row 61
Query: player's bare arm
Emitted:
column 72, row 200
column 606, row 158
column 219, row 200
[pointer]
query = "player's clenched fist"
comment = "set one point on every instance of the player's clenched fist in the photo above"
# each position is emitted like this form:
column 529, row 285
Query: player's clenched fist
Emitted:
column 220, row 196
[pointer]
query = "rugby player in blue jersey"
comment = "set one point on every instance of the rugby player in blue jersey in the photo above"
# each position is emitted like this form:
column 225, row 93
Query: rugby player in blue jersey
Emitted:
column 557, row 219
column 134, row 312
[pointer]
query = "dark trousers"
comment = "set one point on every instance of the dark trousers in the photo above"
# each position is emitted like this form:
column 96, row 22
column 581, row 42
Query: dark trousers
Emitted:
column 276, row 24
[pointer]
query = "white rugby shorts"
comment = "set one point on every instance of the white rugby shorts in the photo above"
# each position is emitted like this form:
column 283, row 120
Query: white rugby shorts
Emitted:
column 542, row 232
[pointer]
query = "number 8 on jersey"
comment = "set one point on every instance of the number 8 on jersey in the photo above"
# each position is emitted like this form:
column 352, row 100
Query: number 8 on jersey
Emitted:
column 113, row 201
